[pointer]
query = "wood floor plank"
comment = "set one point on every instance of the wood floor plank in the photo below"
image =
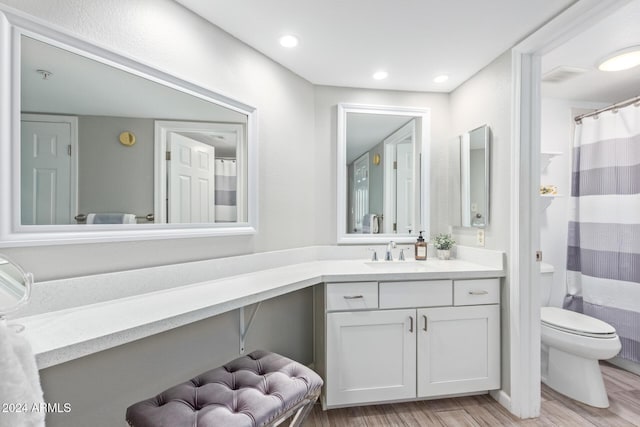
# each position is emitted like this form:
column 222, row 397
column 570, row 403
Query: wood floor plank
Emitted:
column 626, row 404
column 617, row 379
column 597, row 416
column 457, row 418
column 380, row 415
column 487, row 416
column 557, row 410
column 416, row 414
column 560, row 415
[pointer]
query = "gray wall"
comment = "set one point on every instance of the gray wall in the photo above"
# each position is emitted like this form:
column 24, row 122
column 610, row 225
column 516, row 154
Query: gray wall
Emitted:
column 486, row 99
column 113, row 177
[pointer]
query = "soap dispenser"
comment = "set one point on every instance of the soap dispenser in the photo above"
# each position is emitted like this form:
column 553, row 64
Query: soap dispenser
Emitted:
column 421, row 248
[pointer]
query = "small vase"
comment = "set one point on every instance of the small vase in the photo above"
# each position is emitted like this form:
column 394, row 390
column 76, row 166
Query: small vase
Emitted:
column 444, row 253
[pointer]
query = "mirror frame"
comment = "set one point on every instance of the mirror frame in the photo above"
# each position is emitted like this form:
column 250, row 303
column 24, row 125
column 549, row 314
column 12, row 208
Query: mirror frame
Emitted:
column 12, row 233
column 341, row 167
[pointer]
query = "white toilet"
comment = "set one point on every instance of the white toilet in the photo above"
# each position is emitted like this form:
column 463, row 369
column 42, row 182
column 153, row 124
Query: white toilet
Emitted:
column 572, row 345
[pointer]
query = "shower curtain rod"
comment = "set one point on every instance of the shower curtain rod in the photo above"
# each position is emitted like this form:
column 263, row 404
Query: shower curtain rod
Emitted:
column 622, row 104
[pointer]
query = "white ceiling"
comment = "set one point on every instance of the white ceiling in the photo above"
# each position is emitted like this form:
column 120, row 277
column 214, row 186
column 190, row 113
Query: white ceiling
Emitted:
column 343, row 42
column 619, row 30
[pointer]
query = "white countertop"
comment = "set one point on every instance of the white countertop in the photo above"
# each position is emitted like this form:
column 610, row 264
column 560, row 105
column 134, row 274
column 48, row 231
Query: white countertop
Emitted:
column 63, row 335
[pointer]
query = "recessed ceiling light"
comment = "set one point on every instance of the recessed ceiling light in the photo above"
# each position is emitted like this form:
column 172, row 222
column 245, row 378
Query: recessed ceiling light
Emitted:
column 621, row 60
column 380, row 75
column 441, row 79
column 289, row 41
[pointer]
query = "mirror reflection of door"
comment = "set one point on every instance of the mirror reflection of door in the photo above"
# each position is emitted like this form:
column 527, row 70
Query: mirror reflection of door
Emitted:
column 360, row 193
column 48, row 175
column 191, row 195
column 399, row 184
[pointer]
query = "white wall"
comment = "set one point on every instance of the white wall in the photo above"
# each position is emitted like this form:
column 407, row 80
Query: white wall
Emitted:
column 327, row 98
column 168, row 36
column 486, row 99
column 557, row 136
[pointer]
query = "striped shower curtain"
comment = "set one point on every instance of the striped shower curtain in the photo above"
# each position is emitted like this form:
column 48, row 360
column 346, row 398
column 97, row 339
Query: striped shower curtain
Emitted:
column 603, row 257
column 225, row 184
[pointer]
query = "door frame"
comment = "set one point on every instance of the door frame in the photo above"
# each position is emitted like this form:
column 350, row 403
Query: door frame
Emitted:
column 390, row 178
column 73, row 181
column 162, row 128
column 524, row 299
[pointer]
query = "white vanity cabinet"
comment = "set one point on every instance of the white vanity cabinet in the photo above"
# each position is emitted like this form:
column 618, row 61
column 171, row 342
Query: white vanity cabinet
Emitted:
column 370, row 356
column 414, row 339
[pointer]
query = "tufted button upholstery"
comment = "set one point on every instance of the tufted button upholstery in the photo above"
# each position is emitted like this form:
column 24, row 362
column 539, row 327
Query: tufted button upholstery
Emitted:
column 253, row 390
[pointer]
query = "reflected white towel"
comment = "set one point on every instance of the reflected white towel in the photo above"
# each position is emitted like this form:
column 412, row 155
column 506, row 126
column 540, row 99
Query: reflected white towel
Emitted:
column 370, row 223
column 19, row 382
column 111, row 218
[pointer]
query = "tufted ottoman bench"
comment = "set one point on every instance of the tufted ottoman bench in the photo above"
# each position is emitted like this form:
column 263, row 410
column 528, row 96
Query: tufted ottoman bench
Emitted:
column 259, row 389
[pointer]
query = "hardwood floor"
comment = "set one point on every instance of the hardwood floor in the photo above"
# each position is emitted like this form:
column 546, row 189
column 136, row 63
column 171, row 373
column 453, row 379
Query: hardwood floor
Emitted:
column 623, row 389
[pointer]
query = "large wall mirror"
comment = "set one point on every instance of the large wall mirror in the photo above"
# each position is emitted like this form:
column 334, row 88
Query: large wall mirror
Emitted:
column 383, row 173
column 104, row 147
column 471, row 154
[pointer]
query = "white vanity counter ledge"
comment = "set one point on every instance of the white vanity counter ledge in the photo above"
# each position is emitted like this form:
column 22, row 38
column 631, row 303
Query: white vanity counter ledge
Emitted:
column 60, row 336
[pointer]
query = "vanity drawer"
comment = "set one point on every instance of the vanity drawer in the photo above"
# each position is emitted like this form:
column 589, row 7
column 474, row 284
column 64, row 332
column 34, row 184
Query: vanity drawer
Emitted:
column 476, row 292
column 423, row 293
column 352, row 296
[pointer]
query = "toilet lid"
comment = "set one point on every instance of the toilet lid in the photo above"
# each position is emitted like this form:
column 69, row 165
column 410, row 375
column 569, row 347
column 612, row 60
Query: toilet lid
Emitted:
column 575, row 323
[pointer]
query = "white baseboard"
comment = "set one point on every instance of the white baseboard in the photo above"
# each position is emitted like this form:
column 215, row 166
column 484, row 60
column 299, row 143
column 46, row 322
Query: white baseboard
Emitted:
column 502, row 398
column 625, row 364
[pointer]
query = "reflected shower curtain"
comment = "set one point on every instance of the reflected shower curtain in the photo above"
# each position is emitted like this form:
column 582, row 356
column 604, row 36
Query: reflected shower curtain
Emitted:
column 603, row 256
column 225, row 183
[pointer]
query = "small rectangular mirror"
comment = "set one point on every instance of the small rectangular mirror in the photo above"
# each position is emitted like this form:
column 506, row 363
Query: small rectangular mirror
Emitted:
column 474, row 177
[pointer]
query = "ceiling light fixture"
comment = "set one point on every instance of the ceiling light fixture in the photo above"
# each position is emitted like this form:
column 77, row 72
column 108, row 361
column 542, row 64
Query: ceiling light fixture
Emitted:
column 441, row 79
column 380, row 75
column 289, row 41
column 621, row 60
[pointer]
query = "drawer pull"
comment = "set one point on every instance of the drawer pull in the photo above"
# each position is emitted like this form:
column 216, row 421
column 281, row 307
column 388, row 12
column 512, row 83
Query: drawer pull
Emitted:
column 410, row 323
column 425, row 323
column 478, row 292
column 353, row 297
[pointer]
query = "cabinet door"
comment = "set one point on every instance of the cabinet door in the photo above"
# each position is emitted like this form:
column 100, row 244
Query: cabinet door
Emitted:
column 371, row 356
column 458, row 349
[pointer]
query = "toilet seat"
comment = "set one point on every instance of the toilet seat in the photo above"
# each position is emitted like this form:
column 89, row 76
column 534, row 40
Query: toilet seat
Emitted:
column 575, row 323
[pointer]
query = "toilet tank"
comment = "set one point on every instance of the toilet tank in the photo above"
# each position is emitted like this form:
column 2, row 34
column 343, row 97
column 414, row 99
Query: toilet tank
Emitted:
column 546, row 283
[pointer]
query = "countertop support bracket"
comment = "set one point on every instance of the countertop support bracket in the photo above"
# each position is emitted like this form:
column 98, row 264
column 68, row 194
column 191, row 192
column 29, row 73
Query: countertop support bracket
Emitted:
column 246, row 326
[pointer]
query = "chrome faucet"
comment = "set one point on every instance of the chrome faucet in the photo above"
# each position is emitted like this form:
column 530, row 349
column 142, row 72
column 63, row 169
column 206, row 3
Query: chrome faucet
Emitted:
column 388, row 256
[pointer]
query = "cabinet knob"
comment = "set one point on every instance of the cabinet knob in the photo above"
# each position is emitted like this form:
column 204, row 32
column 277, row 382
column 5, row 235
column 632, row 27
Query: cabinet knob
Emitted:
column 410, row 323
column 478, row 292
column 425, row 322
column 353, row 297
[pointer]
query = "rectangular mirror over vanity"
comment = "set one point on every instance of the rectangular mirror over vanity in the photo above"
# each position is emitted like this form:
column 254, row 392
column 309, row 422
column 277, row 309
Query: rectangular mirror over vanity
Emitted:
column 98, row 146
column 383, row 173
